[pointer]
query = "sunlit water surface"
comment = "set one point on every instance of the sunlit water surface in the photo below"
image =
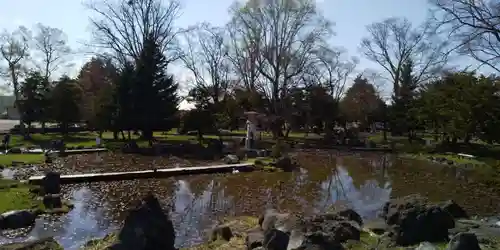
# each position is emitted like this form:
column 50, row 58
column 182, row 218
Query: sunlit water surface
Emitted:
column 363, row 182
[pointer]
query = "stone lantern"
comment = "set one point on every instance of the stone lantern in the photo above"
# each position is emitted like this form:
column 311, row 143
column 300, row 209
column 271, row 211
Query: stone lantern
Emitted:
column 251, row 128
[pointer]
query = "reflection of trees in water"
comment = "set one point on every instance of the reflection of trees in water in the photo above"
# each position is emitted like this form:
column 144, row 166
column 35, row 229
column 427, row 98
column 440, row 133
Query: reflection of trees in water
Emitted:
column 367, row 199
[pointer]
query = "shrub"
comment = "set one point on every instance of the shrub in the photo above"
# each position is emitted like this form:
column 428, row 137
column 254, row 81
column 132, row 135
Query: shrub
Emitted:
column 279, row 149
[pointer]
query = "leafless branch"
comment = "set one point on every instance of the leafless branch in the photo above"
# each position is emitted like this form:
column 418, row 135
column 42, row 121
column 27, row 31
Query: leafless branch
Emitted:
column 472, row 26
column 51, row 44
column 393, row 42
column 285, row 34
column 206, row 56
column 121, row 27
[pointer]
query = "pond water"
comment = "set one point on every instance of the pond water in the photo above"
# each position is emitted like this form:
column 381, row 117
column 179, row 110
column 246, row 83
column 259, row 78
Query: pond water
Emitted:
column 364, row 182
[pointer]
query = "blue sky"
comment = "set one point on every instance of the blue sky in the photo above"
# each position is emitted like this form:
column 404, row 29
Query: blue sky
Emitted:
column 350, row 17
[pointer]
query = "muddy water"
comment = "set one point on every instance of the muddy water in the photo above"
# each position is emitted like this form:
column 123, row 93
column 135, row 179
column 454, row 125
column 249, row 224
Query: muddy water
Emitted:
column 364, row 182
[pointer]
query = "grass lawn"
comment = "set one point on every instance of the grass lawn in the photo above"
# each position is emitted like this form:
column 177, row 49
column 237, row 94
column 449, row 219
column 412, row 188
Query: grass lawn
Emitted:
column 488, row 154
column 16, row 196
column 451, row 157
column 25, row 158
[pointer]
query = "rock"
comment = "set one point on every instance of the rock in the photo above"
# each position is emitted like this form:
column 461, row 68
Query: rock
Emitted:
column 412, row 219
column 377, row 227
column 319, row 241
column 17, row 219
column 426, row 246
column 328, row 231
column 14, row 151
column 222, row 232
column 251, row 153
column 285, row 163
column 454, row 209
column 147, row 227
column 52, row 183
column 231, row 159
column 276, row 239
column 324, row 231
column 350, row 215
column 42, row 244
column 254, row 239
column 464, row 241
column 52, row 201
column 215, row 146
column 130, row 147
column 263, row 153
column 281, row 221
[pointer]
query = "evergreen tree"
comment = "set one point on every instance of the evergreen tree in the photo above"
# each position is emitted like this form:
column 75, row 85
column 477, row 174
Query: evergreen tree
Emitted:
column 402, row 120
column 123, row 99
column 155, row 97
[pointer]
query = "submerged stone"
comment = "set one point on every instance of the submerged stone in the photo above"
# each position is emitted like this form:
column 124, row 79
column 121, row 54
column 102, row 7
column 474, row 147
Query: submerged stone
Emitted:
column 17, row 219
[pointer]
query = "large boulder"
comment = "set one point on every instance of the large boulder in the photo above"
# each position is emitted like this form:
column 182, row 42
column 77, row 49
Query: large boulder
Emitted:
column 220, row 232
column 454, row 209
column 328, row 231
column 464, row 241
column 254, row 238
column 231, row 159
column 130, row 147
column 282, row 231
column 413, row 219
column 285, row 163
column 17, row 219
column 147, row 227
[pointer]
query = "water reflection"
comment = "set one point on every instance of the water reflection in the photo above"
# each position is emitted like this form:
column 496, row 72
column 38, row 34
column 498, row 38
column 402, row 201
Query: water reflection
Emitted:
column 86, row 221
column 367, row 199
column 364, row 183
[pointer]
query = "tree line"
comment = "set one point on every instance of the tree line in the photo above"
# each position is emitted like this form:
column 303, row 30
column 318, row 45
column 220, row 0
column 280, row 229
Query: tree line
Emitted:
column 273, row 57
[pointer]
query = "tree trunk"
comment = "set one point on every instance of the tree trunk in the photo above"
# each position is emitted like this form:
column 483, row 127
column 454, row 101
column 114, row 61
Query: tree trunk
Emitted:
column 43, row 127
column 17, row 97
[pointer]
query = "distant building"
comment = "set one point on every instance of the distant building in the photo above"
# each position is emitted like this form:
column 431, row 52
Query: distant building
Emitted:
column 7, row 108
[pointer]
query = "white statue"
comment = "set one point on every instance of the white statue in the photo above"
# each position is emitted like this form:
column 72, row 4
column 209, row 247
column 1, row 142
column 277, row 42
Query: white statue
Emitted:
column 251, row 133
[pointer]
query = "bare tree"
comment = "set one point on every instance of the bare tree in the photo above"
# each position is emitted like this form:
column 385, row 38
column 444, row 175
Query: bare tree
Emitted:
column 14, row 48
column 333, row 70
column 206, row 56
column 51, row 45
column 472, row 26
column 286, row 34
column 243, row 47
column 394, row 41
column 121, row 27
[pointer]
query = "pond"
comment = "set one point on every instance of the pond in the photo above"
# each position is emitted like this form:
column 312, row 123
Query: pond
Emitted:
column 363, row 181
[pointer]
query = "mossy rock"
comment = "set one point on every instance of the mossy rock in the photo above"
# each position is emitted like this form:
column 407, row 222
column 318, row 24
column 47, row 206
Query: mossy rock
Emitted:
column 238, row 225
column 43, row 244
column 100, row 244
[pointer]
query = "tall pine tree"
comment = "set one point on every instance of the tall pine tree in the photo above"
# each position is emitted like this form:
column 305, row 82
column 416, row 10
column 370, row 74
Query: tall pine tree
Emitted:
column 154, row 92
column 402, row 119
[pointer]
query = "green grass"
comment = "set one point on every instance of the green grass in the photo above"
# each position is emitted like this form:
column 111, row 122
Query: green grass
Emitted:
column 87, row 139
column 451, row 157
column 7, row 159
column 16, row 196
column 367, row 242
